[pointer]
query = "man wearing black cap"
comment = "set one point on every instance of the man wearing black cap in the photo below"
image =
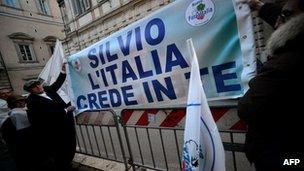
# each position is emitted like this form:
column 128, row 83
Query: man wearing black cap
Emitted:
column 52, row 122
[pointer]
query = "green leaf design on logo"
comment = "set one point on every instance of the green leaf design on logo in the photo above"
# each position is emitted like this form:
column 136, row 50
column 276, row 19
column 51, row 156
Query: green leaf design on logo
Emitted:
column 201, row 7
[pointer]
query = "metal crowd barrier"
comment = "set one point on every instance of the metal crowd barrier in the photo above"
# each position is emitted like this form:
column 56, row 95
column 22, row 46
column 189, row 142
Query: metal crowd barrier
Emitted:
column 148, row 138
column 153, row 144
column 98, row 134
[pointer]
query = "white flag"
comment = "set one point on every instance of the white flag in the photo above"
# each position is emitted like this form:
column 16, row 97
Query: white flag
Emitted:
column 52, row 69
column 203, row 149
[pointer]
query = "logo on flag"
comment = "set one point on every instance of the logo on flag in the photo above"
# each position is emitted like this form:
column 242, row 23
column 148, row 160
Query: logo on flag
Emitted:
column 191, row 160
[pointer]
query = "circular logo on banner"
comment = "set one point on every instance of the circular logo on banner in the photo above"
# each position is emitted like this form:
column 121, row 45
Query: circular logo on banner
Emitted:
column 200, row 12
column 77, row 65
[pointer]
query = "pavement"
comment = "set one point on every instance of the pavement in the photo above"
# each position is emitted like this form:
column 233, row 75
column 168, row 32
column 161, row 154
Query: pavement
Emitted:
column 81, row 167
column 80, row 163
column 83, row 162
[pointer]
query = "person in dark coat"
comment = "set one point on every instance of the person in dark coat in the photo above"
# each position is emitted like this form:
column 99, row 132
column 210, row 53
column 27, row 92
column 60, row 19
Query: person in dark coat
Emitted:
column 52, row 122
column 271, row 106
column 16, row 131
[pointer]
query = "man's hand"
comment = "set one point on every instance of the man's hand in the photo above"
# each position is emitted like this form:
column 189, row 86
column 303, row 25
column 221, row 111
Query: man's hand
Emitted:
column 256, row 4
column 70, row 109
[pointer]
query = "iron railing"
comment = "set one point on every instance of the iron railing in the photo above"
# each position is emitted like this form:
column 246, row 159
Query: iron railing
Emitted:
column 157, row 148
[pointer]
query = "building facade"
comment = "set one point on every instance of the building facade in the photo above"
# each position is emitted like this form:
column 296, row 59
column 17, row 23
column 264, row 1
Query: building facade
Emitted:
column 88, row 21
column 29, row 29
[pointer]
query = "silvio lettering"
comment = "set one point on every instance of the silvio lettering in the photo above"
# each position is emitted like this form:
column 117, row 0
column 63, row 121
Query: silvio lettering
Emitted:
column 103, row 53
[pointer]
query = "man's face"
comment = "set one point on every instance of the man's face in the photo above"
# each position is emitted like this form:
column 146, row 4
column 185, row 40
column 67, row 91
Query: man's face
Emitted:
column 290, row 9
column 38, row 89
column 4, row 94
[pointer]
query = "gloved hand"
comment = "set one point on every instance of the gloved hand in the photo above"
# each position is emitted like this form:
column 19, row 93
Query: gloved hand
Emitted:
column 70, row 109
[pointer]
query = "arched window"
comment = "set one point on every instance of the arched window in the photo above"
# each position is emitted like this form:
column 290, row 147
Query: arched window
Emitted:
column 50, row 42
column 24, row 46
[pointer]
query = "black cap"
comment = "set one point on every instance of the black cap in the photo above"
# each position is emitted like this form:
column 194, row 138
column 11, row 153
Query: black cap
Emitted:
column 28, row 85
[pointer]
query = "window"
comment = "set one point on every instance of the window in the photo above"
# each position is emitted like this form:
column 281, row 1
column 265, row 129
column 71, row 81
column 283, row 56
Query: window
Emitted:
column 65, row 17
column 26, row 53
column 1, row 62
column 50, row 41
column 80, row 6
column 12, row 3
column 52, row 48
column 24, row 47
column 64, row 14
column 44, row 7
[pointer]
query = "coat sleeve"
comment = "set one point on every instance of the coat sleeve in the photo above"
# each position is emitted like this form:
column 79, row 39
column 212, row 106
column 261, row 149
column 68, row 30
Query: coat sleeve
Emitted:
column 58, row 83
column 270, row 13
column 262, row 95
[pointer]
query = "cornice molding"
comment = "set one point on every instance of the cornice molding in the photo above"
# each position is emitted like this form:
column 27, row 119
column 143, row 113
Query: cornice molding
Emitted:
column 32, row 19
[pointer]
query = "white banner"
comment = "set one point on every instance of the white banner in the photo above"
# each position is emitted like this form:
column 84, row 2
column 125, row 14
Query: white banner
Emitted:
column 146, row 64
